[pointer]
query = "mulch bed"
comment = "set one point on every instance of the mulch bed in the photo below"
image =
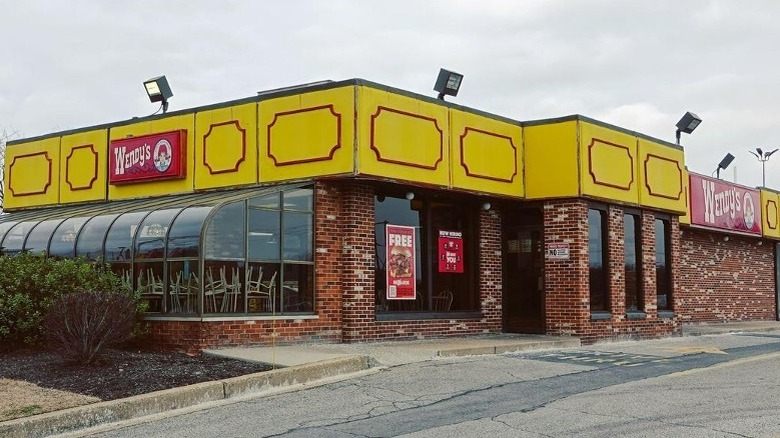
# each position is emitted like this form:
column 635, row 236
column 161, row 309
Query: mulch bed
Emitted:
column 120, row 373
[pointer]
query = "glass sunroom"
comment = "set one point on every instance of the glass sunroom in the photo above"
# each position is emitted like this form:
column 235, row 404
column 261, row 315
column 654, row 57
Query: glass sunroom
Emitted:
column 242, row 252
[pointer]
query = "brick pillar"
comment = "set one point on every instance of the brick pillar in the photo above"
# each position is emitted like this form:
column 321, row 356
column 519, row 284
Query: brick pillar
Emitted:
column 490, row 269
column 674, row 231
column 617, row 269
column 357, row 260
column 567, row 293
column 648, row 265
column 327, row 255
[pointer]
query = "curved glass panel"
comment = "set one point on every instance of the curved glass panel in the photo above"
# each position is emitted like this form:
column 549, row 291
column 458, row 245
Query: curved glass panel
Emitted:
column 225, row 233
column 263, row 235
column 150, row 241
column 90, row 240
column 266, row 201
column 297, row 239
column 63, row 241
column 119, row 240
column 300, row 199
column 38, row 240
column 184, row 237
column 4, row 227
column 13, row 241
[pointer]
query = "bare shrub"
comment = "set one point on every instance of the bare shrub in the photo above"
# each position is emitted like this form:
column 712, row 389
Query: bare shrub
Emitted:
column 80, row 325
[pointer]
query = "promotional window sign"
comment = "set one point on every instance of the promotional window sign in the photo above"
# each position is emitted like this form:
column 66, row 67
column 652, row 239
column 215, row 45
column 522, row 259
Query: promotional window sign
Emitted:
column 723, row 205
column 149, row 157
column 451, row 251
column 401, row 275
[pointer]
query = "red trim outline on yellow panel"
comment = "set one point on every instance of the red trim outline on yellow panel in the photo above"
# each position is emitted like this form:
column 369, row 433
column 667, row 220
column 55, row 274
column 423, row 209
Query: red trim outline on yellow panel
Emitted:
column 770, row 217
column 305, row 160
column 590, row 164
column 11, row 180
column 243, row 147
column 94, row 174
column 679, row 173
column 476, row 175
column 378, row 153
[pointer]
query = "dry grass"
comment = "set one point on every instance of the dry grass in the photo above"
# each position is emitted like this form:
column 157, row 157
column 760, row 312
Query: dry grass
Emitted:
column 21, row 399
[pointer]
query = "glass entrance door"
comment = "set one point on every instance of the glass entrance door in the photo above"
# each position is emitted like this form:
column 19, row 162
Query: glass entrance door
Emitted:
column 523, row 276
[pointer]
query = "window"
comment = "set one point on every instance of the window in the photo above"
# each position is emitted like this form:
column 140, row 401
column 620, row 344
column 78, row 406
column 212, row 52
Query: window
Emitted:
column 90, row 240
column 663, row 264
column 13, row 243
column 597, row 256
column 63, row 241
column 439, row 288
column 632, row 244
column 38, row 240
column 280, row 276
column 225, row 258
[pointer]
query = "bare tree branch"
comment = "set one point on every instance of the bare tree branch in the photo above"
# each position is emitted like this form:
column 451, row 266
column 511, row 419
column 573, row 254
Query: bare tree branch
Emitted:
column 5, row 136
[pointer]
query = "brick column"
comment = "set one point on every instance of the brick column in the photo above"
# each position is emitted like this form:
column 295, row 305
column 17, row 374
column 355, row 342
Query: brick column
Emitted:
column 617, row 269
column 490, row 269
column 357, row 261
column 567, row 293
column 649, row 291
column 327, row 256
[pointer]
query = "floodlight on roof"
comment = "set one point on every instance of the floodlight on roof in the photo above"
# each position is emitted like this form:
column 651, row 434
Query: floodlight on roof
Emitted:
column 448, row 83
column 158, row 90
column 687, row 124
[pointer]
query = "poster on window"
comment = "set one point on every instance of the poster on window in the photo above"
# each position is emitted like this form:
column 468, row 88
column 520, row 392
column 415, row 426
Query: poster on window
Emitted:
column 401, row 276
column 451, row 252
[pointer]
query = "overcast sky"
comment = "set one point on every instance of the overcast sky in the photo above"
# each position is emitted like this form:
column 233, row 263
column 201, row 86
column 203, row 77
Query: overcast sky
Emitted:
column 636, row 64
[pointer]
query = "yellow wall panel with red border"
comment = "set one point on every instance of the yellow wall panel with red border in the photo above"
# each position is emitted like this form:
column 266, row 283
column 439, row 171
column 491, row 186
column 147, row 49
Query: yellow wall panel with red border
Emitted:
column 185, row 123
column 770, row 213
column 551, row 160
column 32, row 174
column 609, row 164
column 661, row 177
column 487, row 154
column 402, row 138
column 84, row 162
column 307, row 135
column 226, row 147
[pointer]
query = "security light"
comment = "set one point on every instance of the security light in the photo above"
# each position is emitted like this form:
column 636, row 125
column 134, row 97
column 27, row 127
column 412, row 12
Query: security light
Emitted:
column 158, row 91
column 687, row 124
column 724, row 163
column 448, row 83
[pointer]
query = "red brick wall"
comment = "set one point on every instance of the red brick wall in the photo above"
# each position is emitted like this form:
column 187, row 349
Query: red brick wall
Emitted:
column 345, row 296
column 725, row 281
column 358, row 283
column 567, row 290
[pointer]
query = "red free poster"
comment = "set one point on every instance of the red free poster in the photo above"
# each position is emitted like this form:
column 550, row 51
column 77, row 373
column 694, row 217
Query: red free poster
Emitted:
column 400, row 263
column 451, row 251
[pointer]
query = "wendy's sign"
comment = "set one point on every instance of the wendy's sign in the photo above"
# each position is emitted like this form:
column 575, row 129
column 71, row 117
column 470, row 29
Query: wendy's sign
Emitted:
column 723, row 205
column 150, row 157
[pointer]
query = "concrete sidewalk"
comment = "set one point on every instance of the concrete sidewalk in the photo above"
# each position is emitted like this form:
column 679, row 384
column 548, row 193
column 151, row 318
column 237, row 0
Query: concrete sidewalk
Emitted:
column 396, row 352
column 730, row 327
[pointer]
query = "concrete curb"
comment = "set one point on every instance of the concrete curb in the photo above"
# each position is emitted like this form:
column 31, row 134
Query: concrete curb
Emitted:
column 81, row 417
column 508, row 347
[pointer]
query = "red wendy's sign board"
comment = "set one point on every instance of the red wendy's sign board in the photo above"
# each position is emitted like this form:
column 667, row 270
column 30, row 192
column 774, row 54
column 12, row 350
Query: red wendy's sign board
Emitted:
column 725, row 206
column 150, row 157
column 401, row 275
column 451, row 252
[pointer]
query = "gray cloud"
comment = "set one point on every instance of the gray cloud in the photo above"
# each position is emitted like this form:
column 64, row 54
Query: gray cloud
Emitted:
column 639, row 65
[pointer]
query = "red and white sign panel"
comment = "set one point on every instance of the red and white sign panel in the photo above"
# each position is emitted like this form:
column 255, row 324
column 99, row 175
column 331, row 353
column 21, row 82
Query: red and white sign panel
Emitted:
column 725, row 206
column 451, row 251
column 401, row 275
column 150, row 157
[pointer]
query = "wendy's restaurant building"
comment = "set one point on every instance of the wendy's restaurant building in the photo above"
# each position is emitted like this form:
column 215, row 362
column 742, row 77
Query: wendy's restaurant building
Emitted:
column 351, row 211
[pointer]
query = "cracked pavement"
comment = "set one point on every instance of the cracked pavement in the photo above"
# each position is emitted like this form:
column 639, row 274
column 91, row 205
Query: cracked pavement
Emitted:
column 708, row 386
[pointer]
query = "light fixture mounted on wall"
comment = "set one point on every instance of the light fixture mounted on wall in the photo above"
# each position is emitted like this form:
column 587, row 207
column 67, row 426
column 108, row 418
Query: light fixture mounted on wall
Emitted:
column 448, row 83
column 687, row 124
column 725, row 238
column 486, row 206
column 410, row 195
column 158, row 90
